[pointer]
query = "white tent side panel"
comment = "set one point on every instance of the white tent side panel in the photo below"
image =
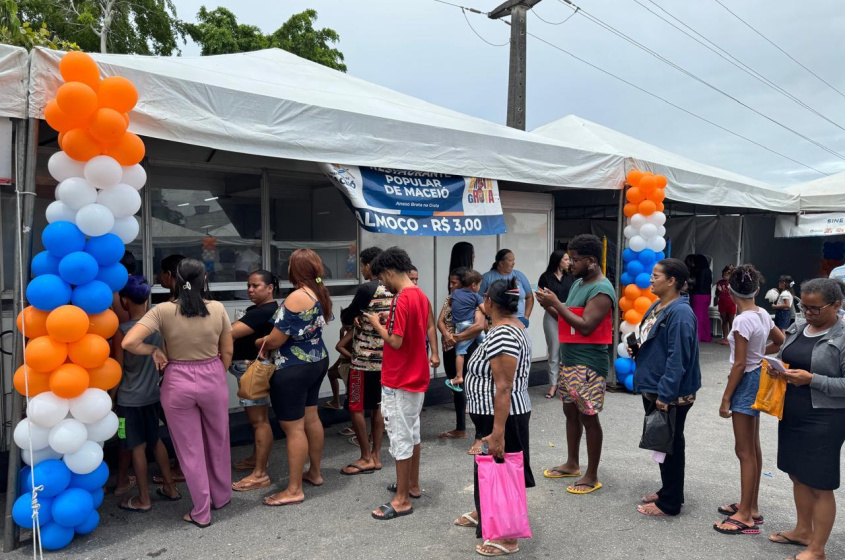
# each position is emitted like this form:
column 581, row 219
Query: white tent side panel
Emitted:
column 821, row 195
column 272, row 103
column 13, row 72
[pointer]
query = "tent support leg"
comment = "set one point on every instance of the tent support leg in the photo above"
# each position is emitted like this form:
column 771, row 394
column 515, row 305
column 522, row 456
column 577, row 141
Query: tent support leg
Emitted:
column 620, row 243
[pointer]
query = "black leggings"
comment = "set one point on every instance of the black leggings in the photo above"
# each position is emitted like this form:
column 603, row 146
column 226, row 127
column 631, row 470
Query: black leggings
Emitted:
column 293, row 388
column 459, row 398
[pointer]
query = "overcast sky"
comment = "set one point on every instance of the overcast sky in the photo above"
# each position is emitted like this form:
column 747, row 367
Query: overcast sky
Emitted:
column 426, row 49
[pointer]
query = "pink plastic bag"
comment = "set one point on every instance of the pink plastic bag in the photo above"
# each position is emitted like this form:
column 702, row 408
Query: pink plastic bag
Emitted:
column 504, row 505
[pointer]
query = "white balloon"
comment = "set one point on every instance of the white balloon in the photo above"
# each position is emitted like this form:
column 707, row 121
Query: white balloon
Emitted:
column 622, row 350
column 658, row 218
column 86, row 460
column 135, row 176
column 637, row 243
column 661, row 231
column 103, row 172
column 126, row 228
column 627, row 328
column 648, row 231
column 32, row 435
column 60, row 212
column 104, row 429
column 629, row 232
column 656, row 244
column 68, row 436
column 94, row 220
column 46, row 409
column 76, row 192
column 91, row 406
column 61, row 167
column 121, row 199
column 38, row 456
column 637, row 220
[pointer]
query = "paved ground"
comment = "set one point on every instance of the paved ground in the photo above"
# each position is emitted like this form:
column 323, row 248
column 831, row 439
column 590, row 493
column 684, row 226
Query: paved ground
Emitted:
column 335, row 521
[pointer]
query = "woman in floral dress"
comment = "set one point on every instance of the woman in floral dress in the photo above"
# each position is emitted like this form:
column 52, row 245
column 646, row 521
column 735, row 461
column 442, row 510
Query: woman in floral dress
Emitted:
column 301, row 365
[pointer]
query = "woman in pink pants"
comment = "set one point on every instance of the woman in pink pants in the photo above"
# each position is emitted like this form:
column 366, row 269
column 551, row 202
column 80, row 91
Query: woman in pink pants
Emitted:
column 197, row 335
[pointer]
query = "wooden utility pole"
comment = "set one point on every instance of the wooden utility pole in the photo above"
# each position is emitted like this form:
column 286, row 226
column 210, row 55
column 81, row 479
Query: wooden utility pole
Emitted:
column 518, row 10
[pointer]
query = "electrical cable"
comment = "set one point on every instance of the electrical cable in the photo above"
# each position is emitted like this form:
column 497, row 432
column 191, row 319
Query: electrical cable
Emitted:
column 567, row 18
column 463, row 11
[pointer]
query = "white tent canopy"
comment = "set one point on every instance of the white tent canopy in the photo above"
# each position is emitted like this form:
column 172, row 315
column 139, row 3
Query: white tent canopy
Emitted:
column 821, row 195
column 13, row 69
column 272, row 103
column 689, row 181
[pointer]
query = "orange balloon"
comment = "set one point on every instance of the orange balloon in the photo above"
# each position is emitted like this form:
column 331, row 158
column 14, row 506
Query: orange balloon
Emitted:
column 659, row 195
column 36, row 322
column 648, row 184
column 126, row 118
column 632, row 292
column 59, row 120
column 647, row 208
column 633, row 316
column 634, row 177
column 661, row 207
column 69, row 381
column 634, row 195
column 642, row 304
column 77, row 99
column 129, row 150
column 79, row 67
column 652, row 296
column 625, row 304
column 59, row 139
column 107, row 125
column 105, row 377
column 80, row 145
column 661, row 181
column 630, row 209
column 38, row 382
column 67, row 323
column 118, row 93
column 103, row 324
column 45, row 354
column 90, row 351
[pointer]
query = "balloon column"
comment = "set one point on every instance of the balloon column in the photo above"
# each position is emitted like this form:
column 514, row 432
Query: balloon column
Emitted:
column 67, row 369
column 645, row 234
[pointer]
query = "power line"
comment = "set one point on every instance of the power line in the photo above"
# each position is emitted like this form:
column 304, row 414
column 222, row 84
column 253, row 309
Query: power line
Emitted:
column 464, row 11
column 686, row 72
column 567, row 18
column 473, row 10
column 732, row 59
column 752, row 28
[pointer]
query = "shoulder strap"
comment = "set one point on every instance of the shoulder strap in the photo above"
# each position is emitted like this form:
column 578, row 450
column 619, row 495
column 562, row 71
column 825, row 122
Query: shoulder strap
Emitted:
column 309, row 294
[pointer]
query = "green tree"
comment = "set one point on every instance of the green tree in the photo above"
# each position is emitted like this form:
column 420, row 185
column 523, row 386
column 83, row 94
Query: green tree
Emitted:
column 13, row 31
column 118, row 26
column 218, row 32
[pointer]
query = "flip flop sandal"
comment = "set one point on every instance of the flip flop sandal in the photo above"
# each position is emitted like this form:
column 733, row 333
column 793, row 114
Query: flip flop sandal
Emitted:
column 786, row 540
column 648, row 499
column 451, row 435
column 733, row 508
column 388, row 512
column 455, row 388
column 122, row 491
column 329, row 406
column 277, row 503
column 243, row 466
column 192, row 521
column 554, row 473
column 129, row 507
column 502, row 550
column 656, row 512
column 346, row 432
column 741, row 528
column 392, row 488
column 244, row 485
column 592, row 488
column 158, row 479
column 474, row 450
column 176, row 498
column 468, row 521
column 360, row 470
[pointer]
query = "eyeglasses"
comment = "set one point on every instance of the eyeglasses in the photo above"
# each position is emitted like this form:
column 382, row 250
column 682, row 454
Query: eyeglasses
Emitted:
column 812, row 309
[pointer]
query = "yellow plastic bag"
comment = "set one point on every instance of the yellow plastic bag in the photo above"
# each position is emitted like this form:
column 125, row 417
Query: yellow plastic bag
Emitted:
column 771, row 394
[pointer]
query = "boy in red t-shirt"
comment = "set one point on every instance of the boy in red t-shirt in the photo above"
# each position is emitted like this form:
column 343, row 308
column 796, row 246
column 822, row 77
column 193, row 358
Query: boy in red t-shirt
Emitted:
column 405, row 373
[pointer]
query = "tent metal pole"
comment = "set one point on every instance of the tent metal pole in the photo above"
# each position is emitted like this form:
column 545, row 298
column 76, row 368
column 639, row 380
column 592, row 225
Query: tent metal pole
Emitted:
column 739, row 243
column 620, row 243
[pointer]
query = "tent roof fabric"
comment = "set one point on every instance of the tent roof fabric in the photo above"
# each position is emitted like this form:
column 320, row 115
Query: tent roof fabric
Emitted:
column 13, row 71
column 689, row 181
column 821, row 195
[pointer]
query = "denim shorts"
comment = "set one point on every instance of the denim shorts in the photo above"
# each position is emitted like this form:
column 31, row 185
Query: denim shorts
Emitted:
column 462, row 347
column 746, row 393
column 238, row 369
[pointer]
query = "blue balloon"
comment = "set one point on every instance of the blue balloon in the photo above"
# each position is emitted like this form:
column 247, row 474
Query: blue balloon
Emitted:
column 78, row 268
column 25, row 481
column 643, row 280
column 660, row 256
column 629, row 383
column 623, row 366
column 93, row 297
column 47, row 292
column 53, row 535
column 91, row 481
column 115, row 276
column 98, row 496
column 647, row 256
column 629, row 255
column 53, row 475
column 72, row 507
column 22, row 510
column 626, row 279
column 635, row 268
column 62, row 238
column 45, row 263
column 88, row 525
column 107, row 249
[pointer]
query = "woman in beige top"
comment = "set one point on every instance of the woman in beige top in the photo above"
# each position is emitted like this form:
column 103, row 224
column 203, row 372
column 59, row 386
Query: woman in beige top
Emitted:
column 194, row 392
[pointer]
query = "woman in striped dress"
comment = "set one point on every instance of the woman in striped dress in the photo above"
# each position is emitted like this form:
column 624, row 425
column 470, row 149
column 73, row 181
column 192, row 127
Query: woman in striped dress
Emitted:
column 496, row 386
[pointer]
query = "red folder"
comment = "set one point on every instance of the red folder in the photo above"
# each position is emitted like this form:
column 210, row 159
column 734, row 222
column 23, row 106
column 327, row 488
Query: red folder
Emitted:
column 602, row 335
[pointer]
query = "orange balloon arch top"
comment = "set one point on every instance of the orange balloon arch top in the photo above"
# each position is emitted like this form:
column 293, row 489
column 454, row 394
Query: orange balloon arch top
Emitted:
column 78, row 66
column 69, row 381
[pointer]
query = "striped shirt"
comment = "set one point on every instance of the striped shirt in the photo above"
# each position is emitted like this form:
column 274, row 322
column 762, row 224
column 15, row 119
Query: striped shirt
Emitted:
column 478, row 383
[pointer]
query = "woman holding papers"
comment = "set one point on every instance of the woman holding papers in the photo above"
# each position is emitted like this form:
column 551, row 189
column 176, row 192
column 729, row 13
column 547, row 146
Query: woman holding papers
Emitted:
column 812, row 431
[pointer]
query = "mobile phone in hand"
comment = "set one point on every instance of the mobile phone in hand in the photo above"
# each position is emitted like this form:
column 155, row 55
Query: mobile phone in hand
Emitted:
column 631, row 341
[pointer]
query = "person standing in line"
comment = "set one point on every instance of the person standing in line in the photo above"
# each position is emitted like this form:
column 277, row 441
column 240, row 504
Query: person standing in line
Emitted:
column 668, row 375
column 465, row 302
column 364, row 389
column 557, row 279
column 726, row 305
column 194, row 393
column 700, row 285
column 302, row 362
column 583, row 364
column 784, row 305
column 405, row 374
column 255, row 323
column 752, row 329
column 503, row 269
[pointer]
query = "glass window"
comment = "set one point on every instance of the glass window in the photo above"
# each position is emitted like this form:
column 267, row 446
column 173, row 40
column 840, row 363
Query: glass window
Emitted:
column 312, row 214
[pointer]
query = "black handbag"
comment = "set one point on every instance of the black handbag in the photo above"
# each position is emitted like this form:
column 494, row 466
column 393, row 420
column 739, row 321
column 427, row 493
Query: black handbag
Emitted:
column 659, row 431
